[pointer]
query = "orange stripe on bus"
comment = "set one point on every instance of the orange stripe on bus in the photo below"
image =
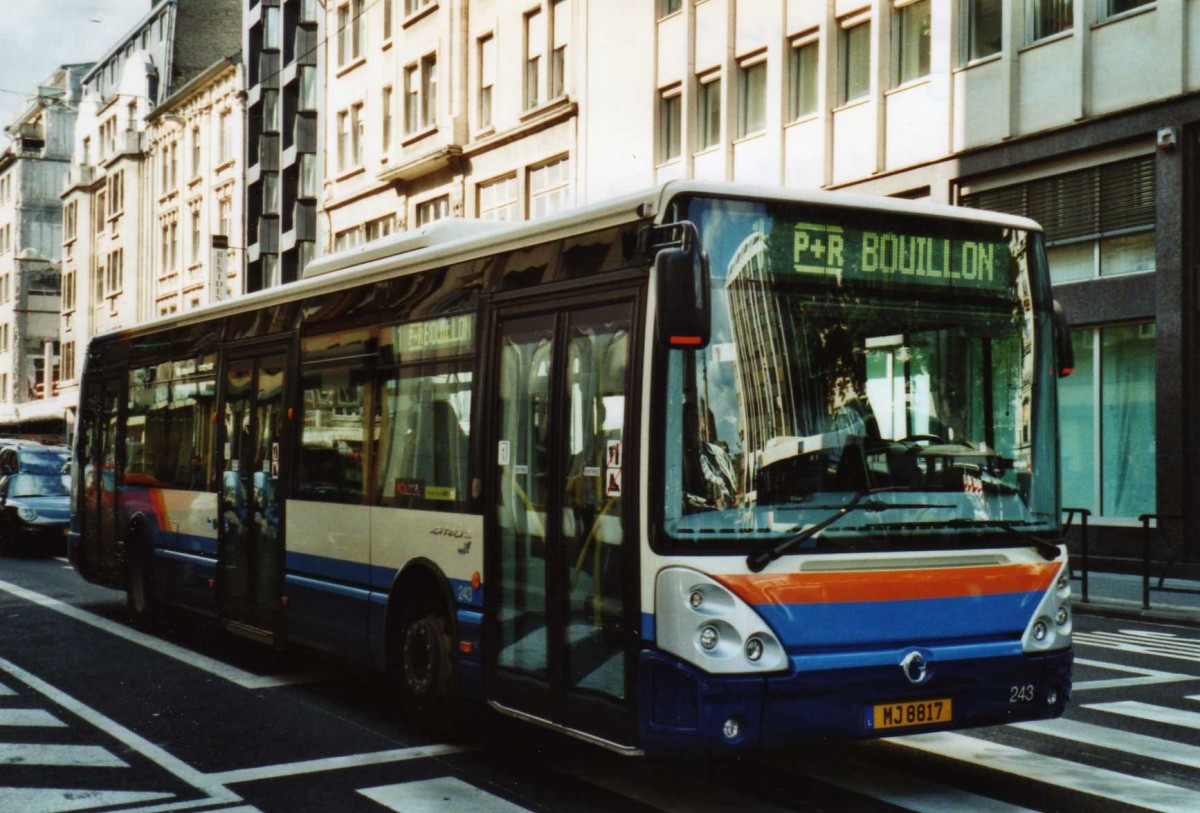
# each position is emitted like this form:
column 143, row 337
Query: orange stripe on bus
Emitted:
column 160, row 507
column 890, row 585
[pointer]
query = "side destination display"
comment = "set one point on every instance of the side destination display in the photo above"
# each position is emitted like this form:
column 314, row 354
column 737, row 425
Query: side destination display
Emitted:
column 862, row 255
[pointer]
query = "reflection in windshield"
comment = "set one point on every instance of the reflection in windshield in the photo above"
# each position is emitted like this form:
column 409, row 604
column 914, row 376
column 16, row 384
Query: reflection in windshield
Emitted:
column 854, row 353
column 36, row 485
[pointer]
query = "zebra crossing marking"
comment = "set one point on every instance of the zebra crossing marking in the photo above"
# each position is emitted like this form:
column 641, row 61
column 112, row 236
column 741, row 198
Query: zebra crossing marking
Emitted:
column 1057, row 772
column 333, row 763
column 1144, row 642
column 6, row 692
column 439, row 795
column 1114, row 739
column 74, row 756
column 1150, row 713
column 62, row 800
column 30, row 718
column 1147, row 676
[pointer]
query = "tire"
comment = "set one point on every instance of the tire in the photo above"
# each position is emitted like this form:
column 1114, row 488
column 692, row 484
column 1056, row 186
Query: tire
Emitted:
column 139, row 589
column 424, row 670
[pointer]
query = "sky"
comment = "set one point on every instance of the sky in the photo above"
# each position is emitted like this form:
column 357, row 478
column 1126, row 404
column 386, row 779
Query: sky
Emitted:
column 40, row 35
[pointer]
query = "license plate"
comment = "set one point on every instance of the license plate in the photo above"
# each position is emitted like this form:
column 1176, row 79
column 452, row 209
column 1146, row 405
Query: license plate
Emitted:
column 910, row 713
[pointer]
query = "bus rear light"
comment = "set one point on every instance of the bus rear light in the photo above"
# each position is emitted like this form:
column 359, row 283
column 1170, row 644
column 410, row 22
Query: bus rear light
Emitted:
column 466, row 647
column 476, row 580
column 212, row 583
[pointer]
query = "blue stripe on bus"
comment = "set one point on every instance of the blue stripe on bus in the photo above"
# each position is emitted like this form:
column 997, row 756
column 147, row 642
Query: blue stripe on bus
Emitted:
column 648, row 630
column 847, row 625
column 326, row 567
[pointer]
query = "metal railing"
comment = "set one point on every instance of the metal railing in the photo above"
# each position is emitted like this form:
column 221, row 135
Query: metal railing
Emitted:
column 1083, row 514
column 1173, row 555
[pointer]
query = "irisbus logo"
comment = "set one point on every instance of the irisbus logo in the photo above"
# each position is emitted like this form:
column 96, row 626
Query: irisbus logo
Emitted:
column 915, row 667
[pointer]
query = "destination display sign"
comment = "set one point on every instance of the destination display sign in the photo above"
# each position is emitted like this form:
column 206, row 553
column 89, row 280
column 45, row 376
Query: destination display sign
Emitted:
column 896, row 258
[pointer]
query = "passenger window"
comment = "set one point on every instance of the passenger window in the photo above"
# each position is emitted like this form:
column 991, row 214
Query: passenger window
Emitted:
column 332, row 462
column 168, row 430
column 422, row 435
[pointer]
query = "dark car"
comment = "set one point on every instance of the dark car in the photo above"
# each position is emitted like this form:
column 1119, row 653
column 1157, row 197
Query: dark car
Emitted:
column 35, row 512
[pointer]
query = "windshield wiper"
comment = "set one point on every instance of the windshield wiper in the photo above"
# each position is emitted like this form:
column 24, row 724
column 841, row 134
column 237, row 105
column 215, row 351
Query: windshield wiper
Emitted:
column 759, row 559
column 1045, row 548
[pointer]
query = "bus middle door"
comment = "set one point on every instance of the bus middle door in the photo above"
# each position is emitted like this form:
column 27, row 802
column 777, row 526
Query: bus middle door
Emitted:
column 250, row 494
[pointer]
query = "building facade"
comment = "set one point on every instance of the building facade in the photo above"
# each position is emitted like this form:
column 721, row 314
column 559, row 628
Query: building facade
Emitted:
column 195, row 148
column 284, row 51
column 109, row 198
column 32, row 169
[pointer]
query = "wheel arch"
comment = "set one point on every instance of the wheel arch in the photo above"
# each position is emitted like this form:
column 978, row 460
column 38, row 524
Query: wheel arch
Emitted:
column 420, row 584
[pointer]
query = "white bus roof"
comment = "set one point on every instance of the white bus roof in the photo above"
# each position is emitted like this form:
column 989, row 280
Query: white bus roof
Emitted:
column 459, row 240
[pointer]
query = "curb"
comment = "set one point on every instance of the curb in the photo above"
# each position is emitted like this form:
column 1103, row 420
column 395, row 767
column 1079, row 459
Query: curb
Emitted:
column 1133, row 611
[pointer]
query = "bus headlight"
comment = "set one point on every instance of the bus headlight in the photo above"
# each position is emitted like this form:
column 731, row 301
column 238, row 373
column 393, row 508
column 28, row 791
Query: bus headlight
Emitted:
column 699, row 620
column 1050, row 624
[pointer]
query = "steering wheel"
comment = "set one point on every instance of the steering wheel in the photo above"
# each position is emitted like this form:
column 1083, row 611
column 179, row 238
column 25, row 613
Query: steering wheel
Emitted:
column 917, row 438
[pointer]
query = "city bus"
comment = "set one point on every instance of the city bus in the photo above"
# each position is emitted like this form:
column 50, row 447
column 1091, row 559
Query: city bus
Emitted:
column 707, row 468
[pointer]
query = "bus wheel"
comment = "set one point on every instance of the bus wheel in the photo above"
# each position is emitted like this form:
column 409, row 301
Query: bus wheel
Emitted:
column 425, row 671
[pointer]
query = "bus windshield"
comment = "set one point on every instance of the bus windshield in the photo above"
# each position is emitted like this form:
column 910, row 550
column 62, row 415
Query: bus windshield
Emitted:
column 859, row 352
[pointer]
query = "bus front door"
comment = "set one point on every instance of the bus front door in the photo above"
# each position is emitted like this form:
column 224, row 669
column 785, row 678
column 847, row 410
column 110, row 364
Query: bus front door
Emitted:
column 250, row 543
column 561, row 559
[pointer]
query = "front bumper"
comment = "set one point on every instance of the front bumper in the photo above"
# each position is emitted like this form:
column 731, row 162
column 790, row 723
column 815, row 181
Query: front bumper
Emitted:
column 683, row 709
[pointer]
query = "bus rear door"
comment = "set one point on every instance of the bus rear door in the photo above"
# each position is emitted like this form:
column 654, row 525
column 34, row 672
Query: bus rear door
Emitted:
column 561, row 559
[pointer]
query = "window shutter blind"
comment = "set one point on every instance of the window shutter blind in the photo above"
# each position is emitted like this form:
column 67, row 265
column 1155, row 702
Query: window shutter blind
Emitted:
column 1091, row 202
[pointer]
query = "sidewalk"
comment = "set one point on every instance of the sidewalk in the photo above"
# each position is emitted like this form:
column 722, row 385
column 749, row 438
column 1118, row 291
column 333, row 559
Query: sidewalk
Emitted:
column 1119, row 595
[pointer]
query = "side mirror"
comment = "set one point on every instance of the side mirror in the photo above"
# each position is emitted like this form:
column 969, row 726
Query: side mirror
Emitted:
column 1064, row 352
column 681, row 287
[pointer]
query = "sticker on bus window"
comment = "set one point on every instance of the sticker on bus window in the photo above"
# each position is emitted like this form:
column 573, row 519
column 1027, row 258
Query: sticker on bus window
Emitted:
column 441, row 493
column 410, row 488
column 520, row 470
column 614, row 454
column 502, row 453
column 591, row 471
column 612, row 487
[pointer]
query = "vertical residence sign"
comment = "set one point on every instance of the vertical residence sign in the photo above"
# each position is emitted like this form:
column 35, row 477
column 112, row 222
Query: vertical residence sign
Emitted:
column 220, row 258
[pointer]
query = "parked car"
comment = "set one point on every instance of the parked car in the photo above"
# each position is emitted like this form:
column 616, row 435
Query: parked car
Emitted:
column 33, row 458
column 35, row 512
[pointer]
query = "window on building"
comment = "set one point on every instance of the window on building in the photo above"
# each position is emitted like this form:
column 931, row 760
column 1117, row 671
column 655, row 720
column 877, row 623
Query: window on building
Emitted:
column 911, row 35
column 68, row 361
column 70, row 213
column 855, row 61
column 550, row 187
column 348, row 238
column 308, row 175
column 386, row 128
column 412, row 99
column 271, row 35
column 1106, row 419
column 173, row 165
column 1115, row 7
column 116, row 271
column 497, row 199
column 670, row 124
column 411, row 7
column 535, row 44
column 752, row 98
column 197, row 256
column 270, row 110
column 195, row 152
column 68, row 294
column 375, row 229
column 1098, row 221
column 983, row 28
column 666, row 7
column 4, row 338
column 343, row 142
column 101, row 211
column 116, row 193
column 560, row 18
column 358, row 24
column 708, row 109
column 802, row 78
column 429, row 85
column 226, row 144
column 343, row 34
column 487, row 78
column 1045, row 18
column 387, row 19
column 224, row 214
column 431, row 210
column 357, row 130
column 308, row 87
